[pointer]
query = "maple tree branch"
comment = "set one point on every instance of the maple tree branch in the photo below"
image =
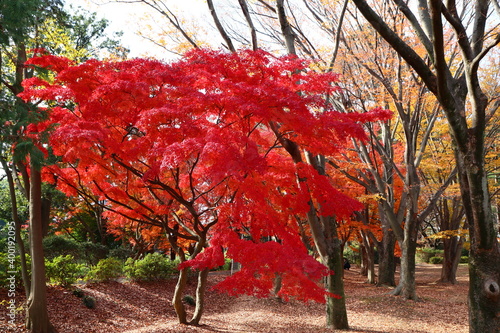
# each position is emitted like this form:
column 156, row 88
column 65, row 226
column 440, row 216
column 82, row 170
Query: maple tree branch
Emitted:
column 351, row 177
column 437, row 195
column 451, row 16
column 184, row 226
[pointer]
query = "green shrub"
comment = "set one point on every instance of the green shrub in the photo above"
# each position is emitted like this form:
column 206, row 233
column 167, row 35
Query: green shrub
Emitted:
column 152, row 267
column 89, row 301
column 189, row 300
column 353, row 253
column 464, row 259
column 424, row 254
column 57, row 245
column 106, row 269
column 436, row 260
column 63, row 270
column 10, row 263
column 121, row 253
column 93, row 252
column 225, row 267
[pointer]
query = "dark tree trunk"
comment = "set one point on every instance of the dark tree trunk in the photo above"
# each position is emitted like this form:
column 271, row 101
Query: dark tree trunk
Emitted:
column 17, row 224
column 336, row 313
column 37, row 317
column 386, row 262
column 450, row 219
column 484, row 291
column 406, row 287
column 452, row 254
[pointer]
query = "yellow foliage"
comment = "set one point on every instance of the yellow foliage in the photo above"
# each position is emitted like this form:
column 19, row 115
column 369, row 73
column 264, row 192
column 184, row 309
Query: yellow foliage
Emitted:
column 447, row 234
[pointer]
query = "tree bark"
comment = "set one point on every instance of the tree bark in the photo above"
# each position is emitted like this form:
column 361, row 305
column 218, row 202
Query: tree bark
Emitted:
column 453, row 93
column 452, row 254
column 336, row 313
column 386, row 263
column 17, row 224
column 37, row 317
column 179, row 308
column 200, row 297
column 452, row 246
column 368, row 257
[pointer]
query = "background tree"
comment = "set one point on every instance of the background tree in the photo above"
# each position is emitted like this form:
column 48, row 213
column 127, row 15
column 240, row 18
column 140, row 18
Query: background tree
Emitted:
column 453, row 88
column 22, row 151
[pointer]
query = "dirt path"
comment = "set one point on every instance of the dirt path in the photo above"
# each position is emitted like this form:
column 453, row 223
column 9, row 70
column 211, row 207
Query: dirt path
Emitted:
column 144, row 308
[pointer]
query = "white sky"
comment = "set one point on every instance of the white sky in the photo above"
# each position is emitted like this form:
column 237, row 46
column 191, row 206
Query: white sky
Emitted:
column 125, row 16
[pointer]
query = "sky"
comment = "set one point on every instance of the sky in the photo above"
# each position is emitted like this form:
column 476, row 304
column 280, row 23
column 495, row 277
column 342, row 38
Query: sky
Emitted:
column 125, row 16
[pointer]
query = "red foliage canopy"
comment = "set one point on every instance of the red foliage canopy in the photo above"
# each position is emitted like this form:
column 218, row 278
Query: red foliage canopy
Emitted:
column 190, row 144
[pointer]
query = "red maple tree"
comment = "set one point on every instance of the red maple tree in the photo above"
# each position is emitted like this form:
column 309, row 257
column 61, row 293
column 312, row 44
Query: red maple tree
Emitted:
column 194, row 147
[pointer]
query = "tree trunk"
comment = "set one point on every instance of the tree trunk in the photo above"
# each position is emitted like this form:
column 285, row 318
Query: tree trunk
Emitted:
column 179, row 308
column 200, row 297
column 452, row 253
column 484, row 259
column 368, row 257
column 37, row 317
column 386, row 264
column 406, row 287
column 484, row 291
column 17, row 230
column 336, row 313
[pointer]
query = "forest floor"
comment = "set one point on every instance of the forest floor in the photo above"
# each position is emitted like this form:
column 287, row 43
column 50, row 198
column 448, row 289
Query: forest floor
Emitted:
column 144, row 308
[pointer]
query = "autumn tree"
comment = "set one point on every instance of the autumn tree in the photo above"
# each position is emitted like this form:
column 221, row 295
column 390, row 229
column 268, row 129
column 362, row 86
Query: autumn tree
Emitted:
column 195, row 146
column 457, row 86
column 22, row 146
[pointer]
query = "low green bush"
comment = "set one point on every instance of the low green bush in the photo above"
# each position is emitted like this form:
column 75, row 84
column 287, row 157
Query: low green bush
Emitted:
column 58, row 245
column 353, row 253
column 464, row 259
column 63, row 270
column 10, row 269
column 424, row 254
column 106, row 270
column 154, row 266
column 93, row 252
column 121, row 253
column 189, row 300
column 89, row 301
column 225, row 267
column 436, row 260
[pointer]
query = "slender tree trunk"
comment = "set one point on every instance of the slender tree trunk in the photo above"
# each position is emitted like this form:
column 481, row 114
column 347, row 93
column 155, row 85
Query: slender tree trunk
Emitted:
column 200, row 297
column 179, row 308
column 17, row 224
column 450, row 220
column 336, row 313
column 369, row 257
column 37, row 317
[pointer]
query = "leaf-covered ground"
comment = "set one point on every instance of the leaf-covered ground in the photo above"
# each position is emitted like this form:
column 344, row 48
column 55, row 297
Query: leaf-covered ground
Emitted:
column 144, row 308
